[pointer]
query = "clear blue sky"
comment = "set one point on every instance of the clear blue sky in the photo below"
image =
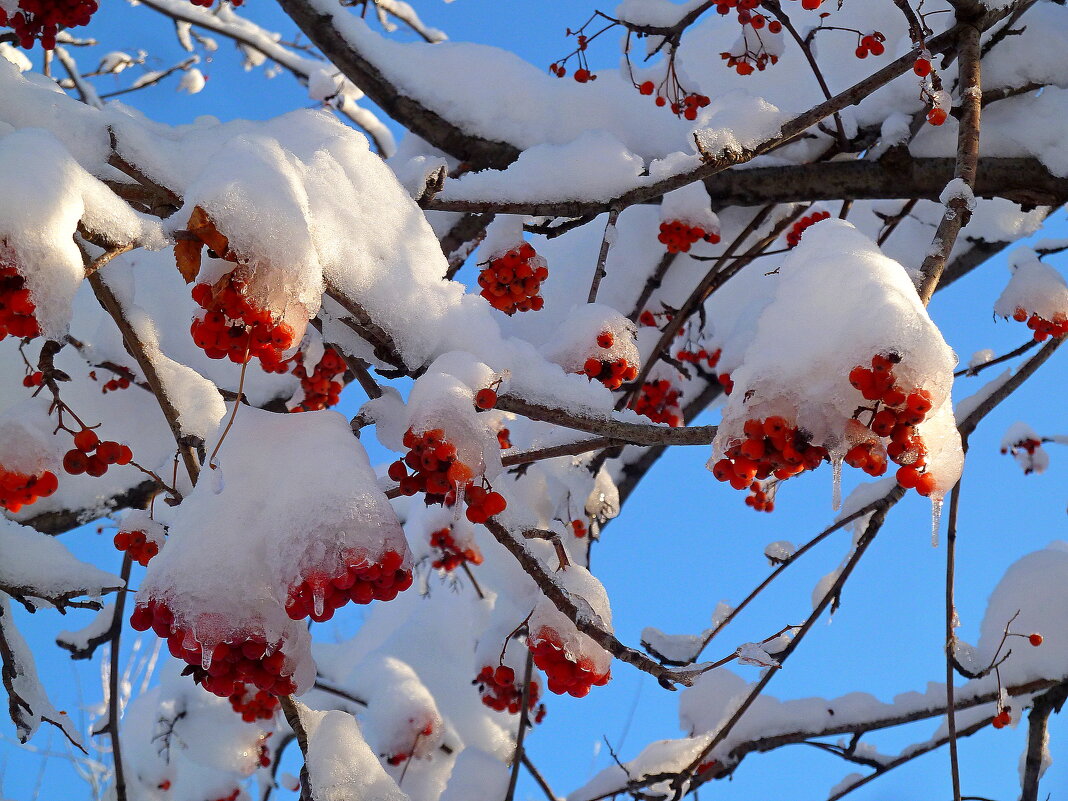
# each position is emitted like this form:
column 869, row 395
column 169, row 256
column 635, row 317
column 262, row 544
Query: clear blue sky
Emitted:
column 674, row 555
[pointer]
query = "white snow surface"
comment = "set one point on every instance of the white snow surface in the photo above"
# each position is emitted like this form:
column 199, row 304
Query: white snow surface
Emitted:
column 341, row 764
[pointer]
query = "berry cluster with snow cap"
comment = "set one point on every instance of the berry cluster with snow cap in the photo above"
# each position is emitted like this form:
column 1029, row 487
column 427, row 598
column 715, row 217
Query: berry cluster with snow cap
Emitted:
column 1037, row 294
column 140, row 536
column 18, row 489
column 659, row 401
column 511, row 281
column 793, row 373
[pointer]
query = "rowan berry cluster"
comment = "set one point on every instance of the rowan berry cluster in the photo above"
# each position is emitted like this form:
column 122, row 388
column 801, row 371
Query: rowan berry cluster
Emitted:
column 871, row 45
column 748, row 62
column 263, row 753
column 659, row 401
column 895, row 415
column 82, row 459
column 1003, row 718
column 360, row 580
column 234, row 327
column 137, row 544
column 1044, row 329
column 18, row 489
column 114, row 384
column 451, row 554
column 221, row 669
column 677, row 236
column 16, row 307
column 772, row 447
column 397, row 759
column 578, row 528
column 698, row 356
column 500, row 691
column 686, row 106
column 610, row 372
column 42, row 19
column 793, row 237
column 34, row 379
column 252, row 704
column 563, row 674
column 759, row 497
column 511, row 282
column 1028, row 446
column 320, row 389
column 726, row 382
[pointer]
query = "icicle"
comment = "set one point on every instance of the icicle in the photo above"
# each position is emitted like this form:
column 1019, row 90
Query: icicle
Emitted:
column 836, row 491
column 936, row 519
column 457, row 507
column 206, row 652
column 319, row 597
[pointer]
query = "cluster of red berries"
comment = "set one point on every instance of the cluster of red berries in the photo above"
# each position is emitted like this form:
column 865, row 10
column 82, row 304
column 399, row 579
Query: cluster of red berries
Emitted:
column 320, row 389
column 564, row 675
column 747, row 62
column 871, row 45
column 232, row 663
column 759, row 498
column 901, row 412
column 659, row 401
column 578, row 528
column 452, row 555
column 610, row 372
column 1029, row 446
column 1043, row 328
column 42, row 19
column 397, row 759
column 114, row 384
column 686, row 106
column 233, row 327
column 499, row 691
column 793, row 238
column 16, row 307
column 677, row 236
column 771, row 447
column 1003, row 718
column 18, row 489
column 137, row 544
column 81, row 459
column 511, row 282
column 34, row 379
column 361, row 581
column 725, row 381
column 263, row 754
column 252, row 704
column 698, row 356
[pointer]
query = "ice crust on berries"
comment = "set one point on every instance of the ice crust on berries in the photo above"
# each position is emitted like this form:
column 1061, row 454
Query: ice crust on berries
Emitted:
column 334, row 508
column 37, row 223
column 1035, row 287
column 806, row 341
column 587, row 592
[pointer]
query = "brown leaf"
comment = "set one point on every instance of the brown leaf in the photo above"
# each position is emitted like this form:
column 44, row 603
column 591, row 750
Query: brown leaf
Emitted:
column 187, row 256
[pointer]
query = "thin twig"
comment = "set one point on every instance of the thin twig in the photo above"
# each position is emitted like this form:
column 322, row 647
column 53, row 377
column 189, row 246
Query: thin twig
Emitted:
column 524, row 723
column 606, row 243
